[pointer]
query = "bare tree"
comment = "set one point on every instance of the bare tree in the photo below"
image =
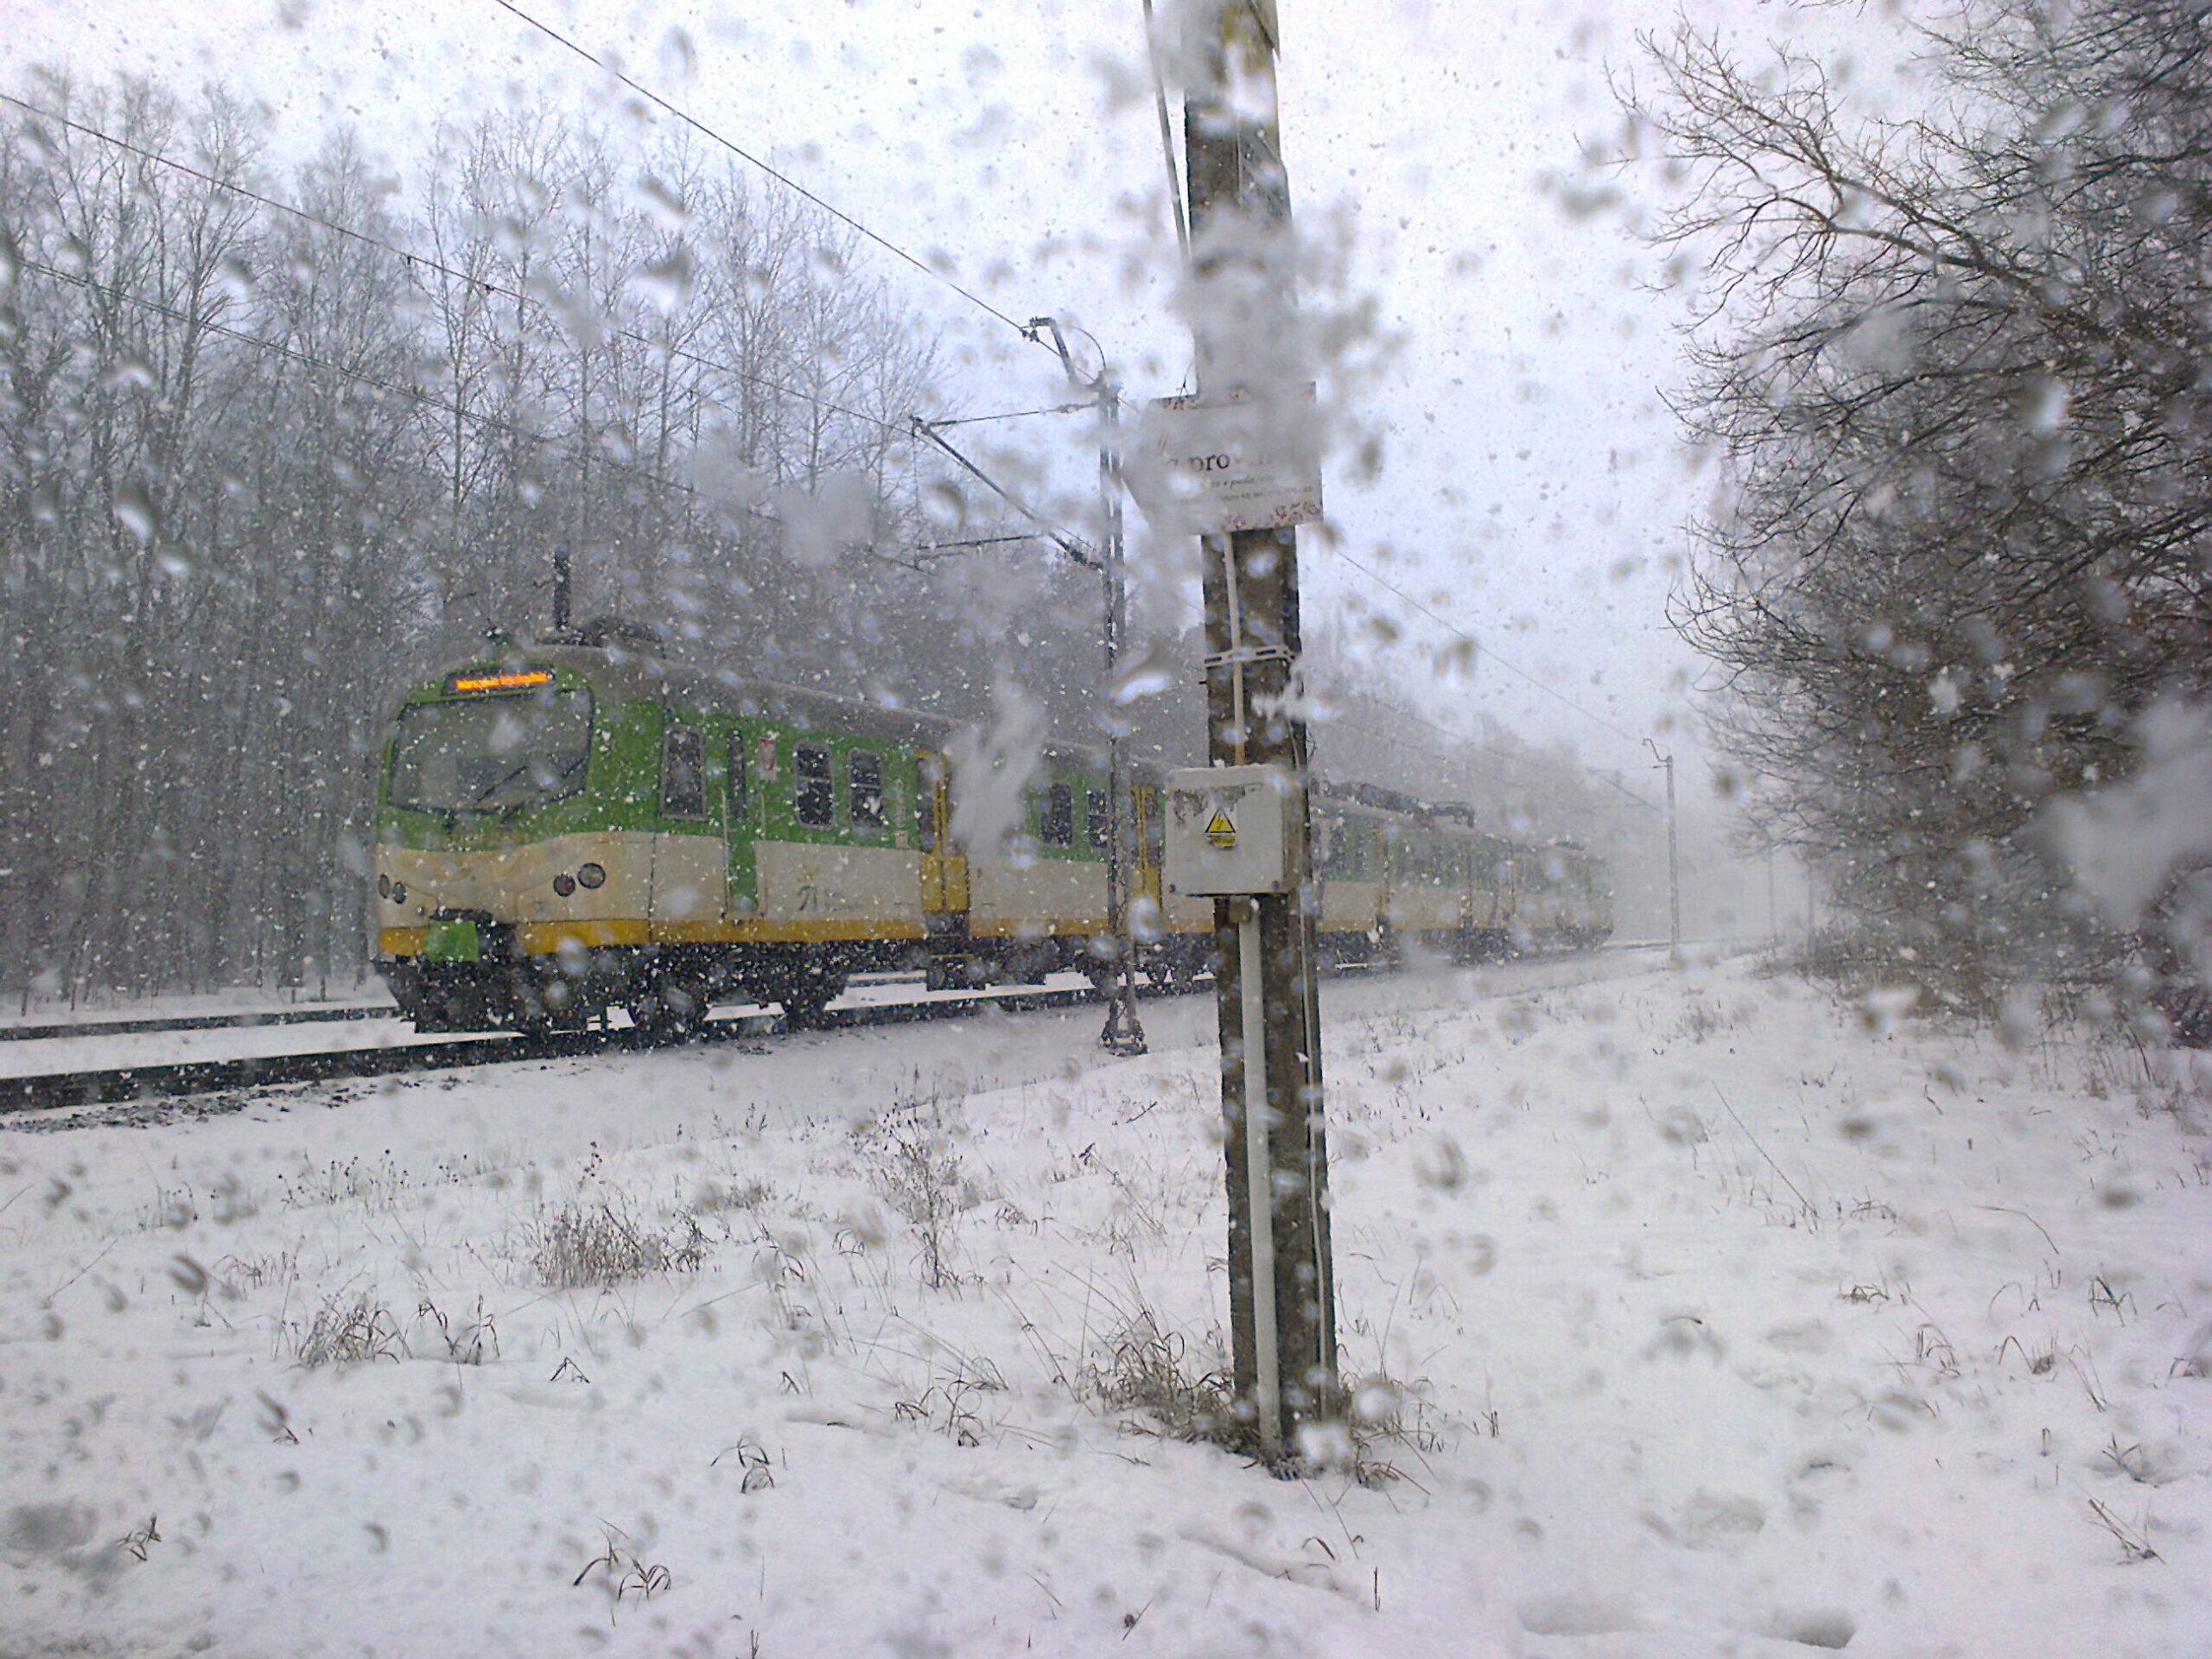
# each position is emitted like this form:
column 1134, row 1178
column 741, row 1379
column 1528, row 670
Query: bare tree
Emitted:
column 256, row 460
column 1953, row 366
column 125, row 264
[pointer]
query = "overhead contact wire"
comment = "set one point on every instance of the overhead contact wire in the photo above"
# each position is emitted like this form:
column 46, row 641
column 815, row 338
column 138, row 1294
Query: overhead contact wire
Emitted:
column 680, row 354
column 784, row 179
column 1458, row 632
column 406, row 393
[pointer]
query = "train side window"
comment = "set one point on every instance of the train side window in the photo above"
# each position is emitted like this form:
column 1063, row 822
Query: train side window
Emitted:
column 1096, row 821
column 1056, row 816
column 814, row 795
column 737, row 779
column 683, row 773
column 864, row 781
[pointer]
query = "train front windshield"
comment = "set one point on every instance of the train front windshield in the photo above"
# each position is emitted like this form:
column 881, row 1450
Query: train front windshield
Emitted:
column 491, row 754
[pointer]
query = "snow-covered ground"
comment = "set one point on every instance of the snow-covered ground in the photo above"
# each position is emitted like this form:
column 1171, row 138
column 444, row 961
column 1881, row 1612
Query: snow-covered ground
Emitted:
column 1717, row 1321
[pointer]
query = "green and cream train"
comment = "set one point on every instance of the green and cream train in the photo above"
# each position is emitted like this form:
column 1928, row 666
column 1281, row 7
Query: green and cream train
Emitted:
column 566, row 828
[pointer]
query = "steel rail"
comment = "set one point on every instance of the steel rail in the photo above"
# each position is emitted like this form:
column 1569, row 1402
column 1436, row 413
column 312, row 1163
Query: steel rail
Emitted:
column 173, row 1080
column 243, row 1018
column 182, row 1079
column 133, row 1025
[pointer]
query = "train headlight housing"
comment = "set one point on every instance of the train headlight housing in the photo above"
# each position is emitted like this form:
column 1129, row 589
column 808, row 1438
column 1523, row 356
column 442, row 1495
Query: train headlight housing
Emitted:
column 565, row 884
column 592, row 875
column 383, row 886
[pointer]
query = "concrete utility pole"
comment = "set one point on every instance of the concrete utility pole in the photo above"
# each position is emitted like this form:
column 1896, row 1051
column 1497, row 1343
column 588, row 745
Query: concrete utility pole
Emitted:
column 1674, row 855
column 1123, row 1034
column 1282, row 1284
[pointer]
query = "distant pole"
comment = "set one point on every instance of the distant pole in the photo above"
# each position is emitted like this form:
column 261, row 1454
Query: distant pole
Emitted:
column 1674, row 864
column 1281, row 1278
column 1674, row 855
column 1122, row 1033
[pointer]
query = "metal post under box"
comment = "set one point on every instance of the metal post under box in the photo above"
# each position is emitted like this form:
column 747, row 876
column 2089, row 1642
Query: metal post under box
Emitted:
column 1231, row 829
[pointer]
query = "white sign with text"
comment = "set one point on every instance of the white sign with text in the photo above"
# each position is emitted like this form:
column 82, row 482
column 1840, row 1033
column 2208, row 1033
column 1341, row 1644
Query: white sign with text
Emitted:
column 1208, row 467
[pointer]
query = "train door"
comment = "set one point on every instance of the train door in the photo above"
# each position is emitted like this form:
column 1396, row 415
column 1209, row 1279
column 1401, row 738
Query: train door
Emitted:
column 1386, row 877
column 944, row 870
column 683, row 888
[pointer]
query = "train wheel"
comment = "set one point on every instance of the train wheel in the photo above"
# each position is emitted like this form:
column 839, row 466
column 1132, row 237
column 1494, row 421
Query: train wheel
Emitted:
column 673, row 1011
column 808, row 993
column 1172, row 971
column 541, row 1002
column 804, row 1007
column 457, row 1001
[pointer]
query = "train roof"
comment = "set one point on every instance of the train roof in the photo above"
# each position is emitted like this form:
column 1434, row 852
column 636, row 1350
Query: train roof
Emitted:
column 627, row 672
column 628, row 665
column 633, row 670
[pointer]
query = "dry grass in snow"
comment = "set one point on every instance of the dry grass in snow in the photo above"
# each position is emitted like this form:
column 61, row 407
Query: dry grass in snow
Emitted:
column 1683, row 1314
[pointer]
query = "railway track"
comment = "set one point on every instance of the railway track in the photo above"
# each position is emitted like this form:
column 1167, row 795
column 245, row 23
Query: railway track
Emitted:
column 140, row 1024
column 180, row 1080
column 172, row 1080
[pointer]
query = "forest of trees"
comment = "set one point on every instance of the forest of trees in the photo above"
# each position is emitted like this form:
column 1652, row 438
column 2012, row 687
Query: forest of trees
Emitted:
column 275, row 438
column 279, row 436
column 1956, row 368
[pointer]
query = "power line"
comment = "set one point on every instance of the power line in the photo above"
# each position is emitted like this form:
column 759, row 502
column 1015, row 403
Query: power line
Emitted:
column 1608, row 780
column 1166, row 138
column 427, row 262
column 788, row 182
column 1076, row 550
column 1017, row 415
column 1068, row 544
column 407, row 392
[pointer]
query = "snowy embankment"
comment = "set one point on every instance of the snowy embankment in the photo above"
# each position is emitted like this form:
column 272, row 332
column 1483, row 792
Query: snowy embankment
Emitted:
column 1713, row 1321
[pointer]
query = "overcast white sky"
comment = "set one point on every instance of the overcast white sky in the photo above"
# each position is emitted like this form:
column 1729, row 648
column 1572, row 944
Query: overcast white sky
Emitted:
column 1531, row 493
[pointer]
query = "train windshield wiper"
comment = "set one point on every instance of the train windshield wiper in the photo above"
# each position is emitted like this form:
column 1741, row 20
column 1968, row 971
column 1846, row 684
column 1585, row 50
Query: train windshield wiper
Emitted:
column 483, row 796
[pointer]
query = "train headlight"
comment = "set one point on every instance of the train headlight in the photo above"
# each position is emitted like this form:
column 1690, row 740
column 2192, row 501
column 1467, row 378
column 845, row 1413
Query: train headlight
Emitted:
column 383, row 886
column 399, row 893
column 565, row 884
column 592, row 875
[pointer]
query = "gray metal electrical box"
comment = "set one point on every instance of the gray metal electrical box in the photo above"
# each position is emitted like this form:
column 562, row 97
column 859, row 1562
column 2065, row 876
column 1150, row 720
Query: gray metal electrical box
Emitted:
column 1231, row 829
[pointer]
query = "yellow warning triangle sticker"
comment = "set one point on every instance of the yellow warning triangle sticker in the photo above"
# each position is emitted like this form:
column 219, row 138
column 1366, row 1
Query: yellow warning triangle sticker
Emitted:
column 1220, row 831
